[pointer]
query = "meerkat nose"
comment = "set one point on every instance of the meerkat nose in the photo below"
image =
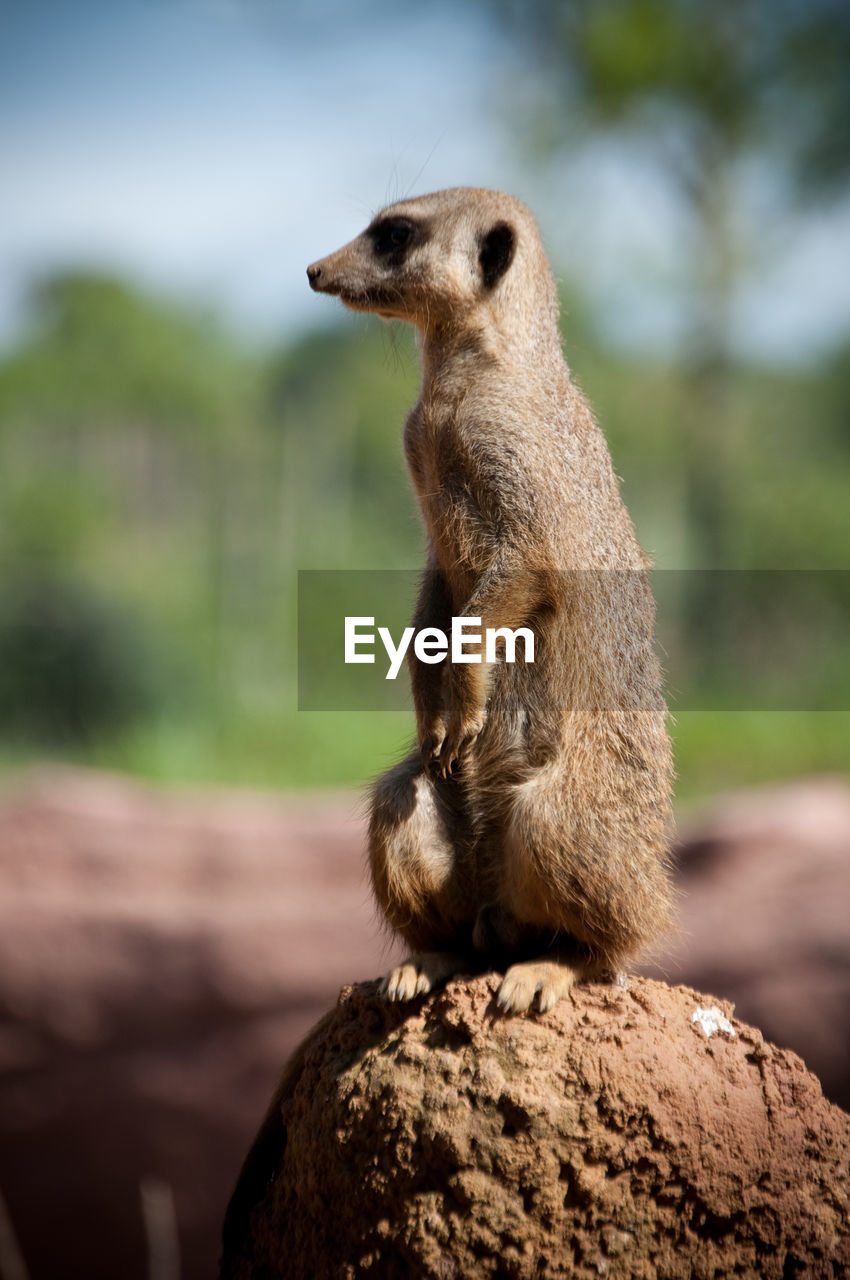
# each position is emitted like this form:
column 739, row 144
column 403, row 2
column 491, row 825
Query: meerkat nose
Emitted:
column 313, row 274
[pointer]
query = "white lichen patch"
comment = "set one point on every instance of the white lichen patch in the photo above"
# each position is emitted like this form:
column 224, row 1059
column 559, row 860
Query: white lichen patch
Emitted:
column 713, row 1020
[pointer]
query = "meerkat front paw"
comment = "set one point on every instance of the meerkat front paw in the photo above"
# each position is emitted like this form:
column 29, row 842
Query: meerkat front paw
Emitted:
column 432, row 742
column 419, row 974
column 547, row 979
column 461, row 732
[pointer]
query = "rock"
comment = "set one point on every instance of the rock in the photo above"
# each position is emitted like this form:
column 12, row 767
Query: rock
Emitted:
column 615, row 1135
column 763, row 917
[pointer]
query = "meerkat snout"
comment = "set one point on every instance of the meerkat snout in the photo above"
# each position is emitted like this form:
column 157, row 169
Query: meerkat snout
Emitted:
column 324, row 276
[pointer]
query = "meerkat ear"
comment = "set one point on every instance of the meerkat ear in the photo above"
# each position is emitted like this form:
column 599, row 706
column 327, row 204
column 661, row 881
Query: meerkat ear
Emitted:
column 496, row 253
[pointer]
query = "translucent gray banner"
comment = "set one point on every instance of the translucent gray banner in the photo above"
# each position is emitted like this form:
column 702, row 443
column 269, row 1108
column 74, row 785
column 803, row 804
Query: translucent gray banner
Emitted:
column 745, row 640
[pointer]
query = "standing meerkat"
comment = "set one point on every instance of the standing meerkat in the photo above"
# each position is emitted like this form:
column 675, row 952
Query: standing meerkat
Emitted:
column 530, row 827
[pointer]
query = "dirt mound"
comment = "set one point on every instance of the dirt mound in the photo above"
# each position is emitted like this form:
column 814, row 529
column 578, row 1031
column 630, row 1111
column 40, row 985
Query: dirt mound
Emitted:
column 633, row 1131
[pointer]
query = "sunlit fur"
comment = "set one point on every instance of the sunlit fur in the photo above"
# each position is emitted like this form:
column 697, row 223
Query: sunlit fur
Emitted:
column 530, row 827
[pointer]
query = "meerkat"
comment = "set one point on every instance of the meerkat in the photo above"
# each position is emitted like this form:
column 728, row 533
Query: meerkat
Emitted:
column 529, row 829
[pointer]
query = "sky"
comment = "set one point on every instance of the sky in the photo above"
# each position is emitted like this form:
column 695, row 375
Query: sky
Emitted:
column 210, row 149
column 213, row 149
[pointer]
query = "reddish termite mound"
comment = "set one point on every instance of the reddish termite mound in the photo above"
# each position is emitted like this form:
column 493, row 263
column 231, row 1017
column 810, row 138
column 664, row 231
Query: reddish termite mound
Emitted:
column 615, row 1135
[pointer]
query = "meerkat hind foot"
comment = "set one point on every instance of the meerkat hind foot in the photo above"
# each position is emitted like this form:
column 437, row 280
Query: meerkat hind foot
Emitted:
column 522, row 982
column 419, row 974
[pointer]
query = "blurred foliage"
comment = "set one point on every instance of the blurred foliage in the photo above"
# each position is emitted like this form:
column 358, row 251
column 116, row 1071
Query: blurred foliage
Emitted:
column 71, row 668
column 698, row 82
column 160, row 487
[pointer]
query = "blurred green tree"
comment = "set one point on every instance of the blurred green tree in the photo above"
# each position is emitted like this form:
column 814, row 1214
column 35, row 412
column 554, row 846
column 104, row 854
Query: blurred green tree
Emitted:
column 102, row 407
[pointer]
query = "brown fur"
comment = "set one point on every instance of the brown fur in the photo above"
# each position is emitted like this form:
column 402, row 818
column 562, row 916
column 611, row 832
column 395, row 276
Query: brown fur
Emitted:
column 532, row 823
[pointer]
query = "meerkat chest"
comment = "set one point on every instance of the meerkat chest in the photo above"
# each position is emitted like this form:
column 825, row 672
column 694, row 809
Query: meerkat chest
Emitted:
column 458, row 510
column 428, row 450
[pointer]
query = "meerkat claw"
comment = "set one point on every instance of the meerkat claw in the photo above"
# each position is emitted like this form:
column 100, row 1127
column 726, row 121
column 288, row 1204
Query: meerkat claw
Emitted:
column 404, row 982
column 516, row 993
column 419, row 974
column 549, row 980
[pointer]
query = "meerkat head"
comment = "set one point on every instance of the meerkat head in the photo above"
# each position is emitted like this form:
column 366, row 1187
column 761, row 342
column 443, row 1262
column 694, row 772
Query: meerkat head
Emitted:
column 440, row 260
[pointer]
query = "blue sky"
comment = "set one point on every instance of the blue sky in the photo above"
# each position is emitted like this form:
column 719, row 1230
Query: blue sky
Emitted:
column 212, row 148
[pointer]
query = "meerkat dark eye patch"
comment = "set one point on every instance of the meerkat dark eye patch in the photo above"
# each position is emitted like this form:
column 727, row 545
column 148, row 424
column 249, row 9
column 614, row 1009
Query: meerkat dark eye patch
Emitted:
column 392, row 236
column 496, row 253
